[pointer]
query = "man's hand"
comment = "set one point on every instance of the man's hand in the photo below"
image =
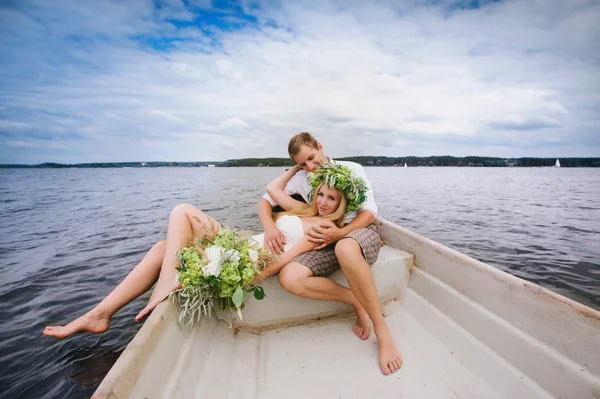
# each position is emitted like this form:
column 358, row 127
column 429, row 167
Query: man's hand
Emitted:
column 324, row 233
column 274, row 241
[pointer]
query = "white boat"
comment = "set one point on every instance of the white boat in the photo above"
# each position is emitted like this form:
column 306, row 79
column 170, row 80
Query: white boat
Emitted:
column 405, row 165
column 557, row 164
column 464, row 328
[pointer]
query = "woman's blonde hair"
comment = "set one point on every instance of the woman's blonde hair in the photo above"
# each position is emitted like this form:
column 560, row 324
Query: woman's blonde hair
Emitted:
column 336, row 217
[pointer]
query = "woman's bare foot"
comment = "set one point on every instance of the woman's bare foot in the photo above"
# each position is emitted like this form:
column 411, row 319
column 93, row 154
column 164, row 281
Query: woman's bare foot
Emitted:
column 363, row 325
column 145, row 312
column 152, row 303
column 390, row 359
column 93, row 321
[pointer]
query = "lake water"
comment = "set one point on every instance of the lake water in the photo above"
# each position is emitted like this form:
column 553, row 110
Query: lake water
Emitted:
column 69, row 236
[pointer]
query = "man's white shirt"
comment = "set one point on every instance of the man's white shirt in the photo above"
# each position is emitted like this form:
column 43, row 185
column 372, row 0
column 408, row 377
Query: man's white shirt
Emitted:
column 299, row 184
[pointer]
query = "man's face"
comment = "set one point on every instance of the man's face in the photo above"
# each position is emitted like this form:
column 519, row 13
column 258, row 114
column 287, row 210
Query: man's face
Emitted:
column 310, row 158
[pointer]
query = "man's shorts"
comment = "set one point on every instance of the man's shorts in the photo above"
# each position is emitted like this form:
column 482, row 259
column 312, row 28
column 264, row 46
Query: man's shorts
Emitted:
column 324, row 262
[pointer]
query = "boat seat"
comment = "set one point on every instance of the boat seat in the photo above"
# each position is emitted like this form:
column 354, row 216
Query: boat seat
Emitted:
column 279, row 307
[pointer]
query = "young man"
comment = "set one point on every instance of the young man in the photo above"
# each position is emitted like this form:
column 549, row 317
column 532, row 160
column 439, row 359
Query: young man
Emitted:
column 354, row 248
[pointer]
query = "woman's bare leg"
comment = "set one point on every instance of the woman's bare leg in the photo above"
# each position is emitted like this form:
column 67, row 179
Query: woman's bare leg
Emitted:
column 138, row 281
column 158, row 264
column 185, row 220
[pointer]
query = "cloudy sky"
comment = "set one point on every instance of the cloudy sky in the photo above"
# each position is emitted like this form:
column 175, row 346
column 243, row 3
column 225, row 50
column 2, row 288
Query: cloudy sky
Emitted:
column 191, row 80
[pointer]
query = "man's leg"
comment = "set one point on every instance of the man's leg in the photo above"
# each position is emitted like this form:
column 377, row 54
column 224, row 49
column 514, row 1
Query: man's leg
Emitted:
column 359, row 276
column 299, row 280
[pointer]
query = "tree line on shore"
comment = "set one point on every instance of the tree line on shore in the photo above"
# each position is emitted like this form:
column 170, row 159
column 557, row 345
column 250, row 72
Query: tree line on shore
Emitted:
column 432, row 161
column 472, row 161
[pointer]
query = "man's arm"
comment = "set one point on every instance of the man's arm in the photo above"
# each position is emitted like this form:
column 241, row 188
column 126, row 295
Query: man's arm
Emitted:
column 277, row 190
column 274, row 239
column 326, row 233
column 363, row 219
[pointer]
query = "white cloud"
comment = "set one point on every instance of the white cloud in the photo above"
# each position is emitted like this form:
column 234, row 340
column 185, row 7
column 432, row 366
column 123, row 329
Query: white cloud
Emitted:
column 235, row 123
column 165, row 115
column 19, row 143
column 224, row 67
column 6, row 124
column 513, row 78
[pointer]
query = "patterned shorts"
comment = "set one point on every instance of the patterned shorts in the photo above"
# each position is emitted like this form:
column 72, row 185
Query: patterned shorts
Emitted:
column 324, row 262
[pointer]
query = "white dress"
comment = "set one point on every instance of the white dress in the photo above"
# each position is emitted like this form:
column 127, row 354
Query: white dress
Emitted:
column 290, row 227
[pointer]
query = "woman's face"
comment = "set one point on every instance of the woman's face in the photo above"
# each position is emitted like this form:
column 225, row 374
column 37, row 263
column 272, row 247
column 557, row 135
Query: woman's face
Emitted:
column 328, row 200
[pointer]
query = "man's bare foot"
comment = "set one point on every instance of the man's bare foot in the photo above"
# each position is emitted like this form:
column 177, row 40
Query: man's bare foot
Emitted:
column 152, row 303
column 93, row 321
column 390, row 359
column 363, row 325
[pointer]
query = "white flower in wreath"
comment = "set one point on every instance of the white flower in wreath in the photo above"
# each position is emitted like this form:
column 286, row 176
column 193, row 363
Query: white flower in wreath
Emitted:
column 253, row 255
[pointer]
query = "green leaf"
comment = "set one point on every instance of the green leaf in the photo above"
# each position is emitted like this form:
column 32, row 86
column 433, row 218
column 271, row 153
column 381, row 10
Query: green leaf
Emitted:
column 259, row 293
column 238, row 297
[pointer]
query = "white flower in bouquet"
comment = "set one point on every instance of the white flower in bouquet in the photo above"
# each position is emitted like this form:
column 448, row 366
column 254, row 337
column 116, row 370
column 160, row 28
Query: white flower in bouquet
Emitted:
column 253, row 255
column 232, row 255
column 213, row 255
column 212, row 269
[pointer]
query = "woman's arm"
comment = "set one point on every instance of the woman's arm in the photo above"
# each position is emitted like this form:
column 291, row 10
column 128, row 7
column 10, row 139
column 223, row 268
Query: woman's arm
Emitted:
column 299, row 248
column 276, row 190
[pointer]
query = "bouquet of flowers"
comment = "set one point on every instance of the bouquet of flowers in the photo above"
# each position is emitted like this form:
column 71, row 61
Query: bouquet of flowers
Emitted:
column 216, row 272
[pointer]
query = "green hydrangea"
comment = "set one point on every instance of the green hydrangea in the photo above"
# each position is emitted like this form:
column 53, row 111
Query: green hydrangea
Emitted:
column 226, row 290
column 230, row 274
column 340, row 177
column 248, row 274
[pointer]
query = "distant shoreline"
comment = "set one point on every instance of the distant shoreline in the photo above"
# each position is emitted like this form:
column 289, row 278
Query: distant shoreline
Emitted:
column 433, row 161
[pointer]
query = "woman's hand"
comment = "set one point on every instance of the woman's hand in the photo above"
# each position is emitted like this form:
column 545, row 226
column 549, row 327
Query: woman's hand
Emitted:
column 257, row 279
column 274, row 241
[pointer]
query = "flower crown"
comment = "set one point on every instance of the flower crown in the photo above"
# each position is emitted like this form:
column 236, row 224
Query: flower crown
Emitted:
column 340, row 177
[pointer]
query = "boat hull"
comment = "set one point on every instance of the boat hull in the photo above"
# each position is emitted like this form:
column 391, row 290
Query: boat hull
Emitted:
column 465, row 329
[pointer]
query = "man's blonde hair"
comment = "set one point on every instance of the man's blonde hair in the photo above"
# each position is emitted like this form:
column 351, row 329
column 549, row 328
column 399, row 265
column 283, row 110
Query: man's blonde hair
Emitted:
column 299, row 140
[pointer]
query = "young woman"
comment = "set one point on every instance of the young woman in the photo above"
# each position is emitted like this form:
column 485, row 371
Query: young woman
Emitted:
column 159, row 264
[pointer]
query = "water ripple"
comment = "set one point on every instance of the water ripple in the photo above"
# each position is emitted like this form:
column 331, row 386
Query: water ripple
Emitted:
column 69, row 236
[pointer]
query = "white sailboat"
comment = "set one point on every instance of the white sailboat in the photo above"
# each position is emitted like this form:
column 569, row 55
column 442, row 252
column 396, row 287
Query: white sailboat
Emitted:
column 557, row 164
column 405, row 165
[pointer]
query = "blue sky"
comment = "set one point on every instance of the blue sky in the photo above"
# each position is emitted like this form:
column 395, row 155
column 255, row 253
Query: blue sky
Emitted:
column 174, row 80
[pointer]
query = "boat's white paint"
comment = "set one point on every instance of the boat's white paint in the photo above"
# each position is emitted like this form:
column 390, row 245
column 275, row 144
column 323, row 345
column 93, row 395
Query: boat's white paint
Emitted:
column 465, row 329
